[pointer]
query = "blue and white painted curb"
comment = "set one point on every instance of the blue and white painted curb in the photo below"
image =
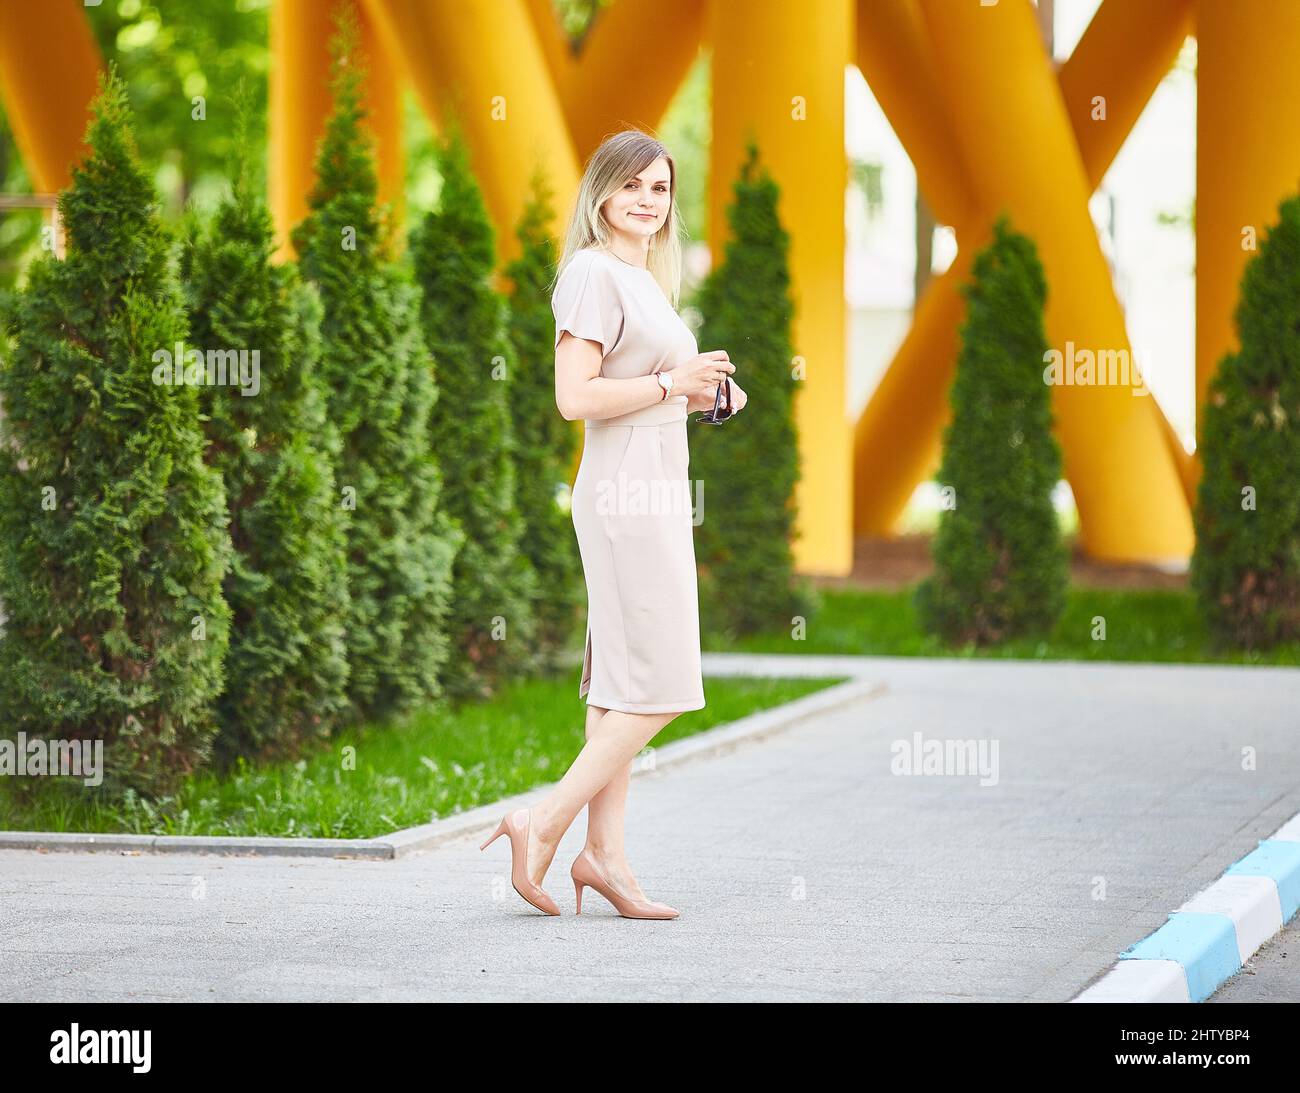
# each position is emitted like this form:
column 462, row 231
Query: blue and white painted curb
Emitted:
column 1211, row 936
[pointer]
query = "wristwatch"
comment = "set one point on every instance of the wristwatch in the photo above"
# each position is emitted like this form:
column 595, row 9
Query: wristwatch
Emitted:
column 666, row 382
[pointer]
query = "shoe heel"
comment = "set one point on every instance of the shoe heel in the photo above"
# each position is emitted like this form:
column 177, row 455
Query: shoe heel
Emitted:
column 501, row 830
column 577, row 887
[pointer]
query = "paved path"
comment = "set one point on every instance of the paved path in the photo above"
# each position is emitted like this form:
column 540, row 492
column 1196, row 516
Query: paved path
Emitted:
column 803, row 868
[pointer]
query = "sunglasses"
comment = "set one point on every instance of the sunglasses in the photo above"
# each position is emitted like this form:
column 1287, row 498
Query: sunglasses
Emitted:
column 721, row 410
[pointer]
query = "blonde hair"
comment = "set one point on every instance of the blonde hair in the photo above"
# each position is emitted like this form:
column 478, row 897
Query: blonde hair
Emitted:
column 618, row 159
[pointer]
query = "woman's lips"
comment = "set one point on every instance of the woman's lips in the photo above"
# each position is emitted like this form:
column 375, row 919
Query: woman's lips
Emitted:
column 644, row 216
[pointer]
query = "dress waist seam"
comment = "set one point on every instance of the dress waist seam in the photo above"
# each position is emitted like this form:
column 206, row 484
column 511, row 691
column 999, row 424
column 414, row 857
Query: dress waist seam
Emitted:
column 661, row 413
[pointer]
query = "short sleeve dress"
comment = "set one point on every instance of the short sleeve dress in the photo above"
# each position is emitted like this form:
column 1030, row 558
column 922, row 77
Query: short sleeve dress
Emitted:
column 632, row 503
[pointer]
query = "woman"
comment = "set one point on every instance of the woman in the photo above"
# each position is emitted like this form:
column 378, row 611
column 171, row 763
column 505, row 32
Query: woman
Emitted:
column 627, row 365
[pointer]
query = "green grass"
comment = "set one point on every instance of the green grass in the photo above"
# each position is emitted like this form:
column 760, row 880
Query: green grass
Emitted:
column 395, row 775
column 1144, row 625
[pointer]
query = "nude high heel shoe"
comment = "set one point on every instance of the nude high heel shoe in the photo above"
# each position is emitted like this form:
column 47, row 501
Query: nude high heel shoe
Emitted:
column 517, row 824
column 585, row 873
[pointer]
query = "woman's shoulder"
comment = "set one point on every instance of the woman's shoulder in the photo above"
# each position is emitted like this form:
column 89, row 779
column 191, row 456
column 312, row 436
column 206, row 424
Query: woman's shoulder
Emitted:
column 585, row 259
column 593, row 256
column 590, row 266
column 586, row 281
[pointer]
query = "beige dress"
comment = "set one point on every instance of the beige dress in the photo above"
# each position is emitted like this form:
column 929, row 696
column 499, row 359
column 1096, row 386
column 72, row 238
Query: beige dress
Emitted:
column 632, row 501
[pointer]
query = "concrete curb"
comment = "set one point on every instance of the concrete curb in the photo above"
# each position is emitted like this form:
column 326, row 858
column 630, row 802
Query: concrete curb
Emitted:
column 193, row 844
column 1211, row 936
column 412, row 840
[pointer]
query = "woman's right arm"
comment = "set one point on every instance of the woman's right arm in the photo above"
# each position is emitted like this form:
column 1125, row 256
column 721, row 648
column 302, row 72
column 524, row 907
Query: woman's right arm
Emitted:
column 581, row 392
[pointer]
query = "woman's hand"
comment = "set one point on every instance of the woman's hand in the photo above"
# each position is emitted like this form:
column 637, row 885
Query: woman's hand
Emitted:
column 700, row 374
column 705, row 399
column 701, row 401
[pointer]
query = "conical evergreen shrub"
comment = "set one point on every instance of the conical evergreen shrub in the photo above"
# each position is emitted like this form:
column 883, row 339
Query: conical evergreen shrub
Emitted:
column 377, row 373
column 464, row 322
column 113, row 543
column 545, row 444
column 1001, row 566
column 746, row 468
column 1246, row 564
column 286, row 673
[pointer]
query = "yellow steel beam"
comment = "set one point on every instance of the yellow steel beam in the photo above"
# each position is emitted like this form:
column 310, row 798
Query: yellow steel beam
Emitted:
column 1138, row 40
column 1011, row 123
column 896, row 437
column 894, row 55
column 49, row 71
column 300, row 103
column 1247, row 155
column 778, row 74
column 1121, row 59
column 616, row 82
column 482, row 60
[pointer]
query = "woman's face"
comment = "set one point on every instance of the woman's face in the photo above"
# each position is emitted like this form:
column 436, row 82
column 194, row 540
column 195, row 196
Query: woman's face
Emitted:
column 641, row 207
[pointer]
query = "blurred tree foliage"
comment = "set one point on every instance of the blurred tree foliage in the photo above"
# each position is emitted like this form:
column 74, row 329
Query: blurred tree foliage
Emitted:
column 172, row 52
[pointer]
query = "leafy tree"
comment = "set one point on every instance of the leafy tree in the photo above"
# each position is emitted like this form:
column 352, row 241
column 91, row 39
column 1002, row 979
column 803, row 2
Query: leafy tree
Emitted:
column 380, row 385
column 464, row 321
column 1001, row 566
column 113, row 541
column 748, row 468
column 545, row 443
column 1246, row 565
column 287, row 667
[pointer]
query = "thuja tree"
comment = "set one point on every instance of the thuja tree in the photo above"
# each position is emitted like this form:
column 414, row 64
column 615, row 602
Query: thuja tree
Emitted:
column 1246, row 564
column 113, row 543
column 464, row 325
column 380, row 389
column 287, row 667
column 545, row 444
column 1000, row 564
column 745, row 469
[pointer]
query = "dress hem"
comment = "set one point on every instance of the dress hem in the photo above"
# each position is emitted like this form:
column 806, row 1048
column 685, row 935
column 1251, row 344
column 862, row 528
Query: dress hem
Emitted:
column 642, row 707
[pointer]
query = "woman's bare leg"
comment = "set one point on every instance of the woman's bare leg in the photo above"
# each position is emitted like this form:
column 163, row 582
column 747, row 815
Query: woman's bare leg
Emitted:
column 605, row 813
column 606, row 755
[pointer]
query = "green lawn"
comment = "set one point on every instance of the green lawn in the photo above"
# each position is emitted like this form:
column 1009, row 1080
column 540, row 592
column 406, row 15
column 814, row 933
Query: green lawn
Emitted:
column 404, row 774
column 1145, row 625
